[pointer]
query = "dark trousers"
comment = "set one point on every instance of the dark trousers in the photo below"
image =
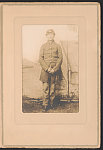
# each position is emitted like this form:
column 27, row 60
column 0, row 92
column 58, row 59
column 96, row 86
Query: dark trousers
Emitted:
column 49, row 90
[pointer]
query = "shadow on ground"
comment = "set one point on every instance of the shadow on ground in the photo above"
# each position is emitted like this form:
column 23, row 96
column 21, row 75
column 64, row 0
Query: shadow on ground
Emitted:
column 31, row 105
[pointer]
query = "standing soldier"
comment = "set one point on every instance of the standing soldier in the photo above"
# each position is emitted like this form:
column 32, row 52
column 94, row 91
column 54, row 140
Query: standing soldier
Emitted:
column 50, row 60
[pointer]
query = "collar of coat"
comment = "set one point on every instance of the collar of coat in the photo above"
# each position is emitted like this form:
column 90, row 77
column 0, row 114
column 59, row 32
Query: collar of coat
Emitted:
column 50, row 42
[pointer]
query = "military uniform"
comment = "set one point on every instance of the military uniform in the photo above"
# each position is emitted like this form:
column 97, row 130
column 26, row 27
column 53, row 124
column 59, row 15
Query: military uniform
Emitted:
column 50, row 56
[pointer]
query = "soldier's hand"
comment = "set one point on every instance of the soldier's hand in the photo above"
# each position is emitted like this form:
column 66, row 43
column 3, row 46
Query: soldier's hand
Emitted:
column 49, row 70
column 52, row 71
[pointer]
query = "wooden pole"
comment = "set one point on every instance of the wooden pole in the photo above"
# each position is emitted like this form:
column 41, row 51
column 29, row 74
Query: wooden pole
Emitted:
column 67, row 69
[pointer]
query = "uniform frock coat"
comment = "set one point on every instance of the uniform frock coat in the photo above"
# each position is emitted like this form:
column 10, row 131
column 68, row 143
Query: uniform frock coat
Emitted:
column 50, row 56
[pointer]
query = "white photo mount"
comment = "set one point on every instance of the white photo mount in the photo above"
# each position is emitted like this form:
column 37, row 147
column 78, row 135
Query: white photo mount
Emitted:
column 58, row 130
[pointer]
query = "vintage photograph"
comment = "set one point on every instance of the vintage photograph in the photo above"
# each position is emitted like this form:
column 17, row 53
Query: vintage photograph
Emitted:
column 50, row 69
column 50, row 75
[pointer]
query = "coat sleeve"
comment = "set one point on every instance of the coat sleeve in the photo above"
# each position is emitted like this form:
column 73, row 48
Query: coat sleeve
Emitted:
column 60, row 59
column 41, row 60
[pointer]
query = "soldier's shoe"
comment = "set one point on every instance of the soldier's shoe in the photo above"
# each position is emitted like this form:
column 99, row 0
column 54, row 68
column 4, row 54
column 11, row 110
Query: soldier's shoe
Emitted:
column 52, row 107
column 45, row 108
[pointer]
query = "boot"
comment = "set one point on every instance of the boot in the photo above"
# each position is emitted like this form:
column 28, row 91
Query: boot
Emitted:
column 45, row 108
column 52, row 106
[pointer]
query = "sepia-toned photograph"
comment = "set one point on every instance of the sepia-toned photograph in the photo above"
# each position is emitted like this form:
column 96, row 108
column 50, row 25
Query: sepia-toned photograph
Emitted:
column 50, row 69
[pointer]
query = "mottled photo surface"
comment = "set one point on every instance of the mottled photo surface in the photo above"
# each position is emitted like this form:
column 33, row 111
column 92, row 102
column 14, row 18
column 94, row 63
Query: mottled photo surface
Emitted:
column 50, row 69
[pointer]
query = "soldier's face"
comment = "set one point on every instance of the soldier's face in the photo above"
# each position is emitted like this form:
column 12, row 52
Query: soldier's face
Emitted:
column 50, row 36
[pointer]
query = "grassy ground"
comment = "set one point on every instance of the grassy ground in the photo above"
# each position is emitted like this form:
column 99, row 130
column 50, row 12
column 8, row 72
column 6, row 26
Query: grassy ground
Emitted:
column 32, row 106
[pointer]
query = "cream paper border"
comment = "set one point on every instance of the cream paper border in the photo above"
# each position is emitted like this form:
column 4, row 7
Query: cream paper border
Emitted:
column 66, row 131
column 49, row 118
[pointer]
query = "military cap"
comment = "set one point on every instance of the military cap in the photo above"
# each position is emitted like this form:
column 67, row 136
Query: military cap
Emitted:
column 50, row 31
